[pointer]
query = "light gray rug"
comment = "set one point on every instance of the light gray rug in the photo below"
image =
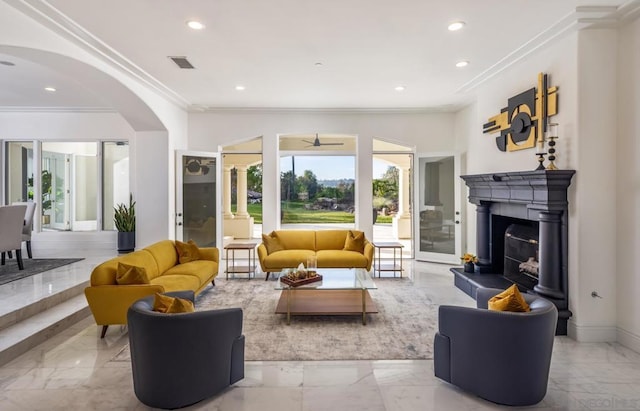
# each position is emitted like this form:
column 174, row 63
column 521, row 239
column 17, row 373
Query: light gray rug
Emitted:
column 403, row 328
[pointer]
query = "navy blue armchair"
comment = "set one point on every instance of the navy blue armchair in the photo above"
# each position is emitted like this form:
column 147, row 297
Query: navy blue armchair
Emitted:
column 181, row 359
column 503, row 357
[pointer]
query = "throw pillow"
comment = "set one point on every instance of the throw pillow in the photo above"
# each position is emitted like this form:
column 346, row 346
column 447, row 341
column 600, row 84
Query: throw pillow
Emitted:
column 171, row 305
column 354, row 242
column 509, row 300
column 187, row 251
column 272, row 242
column 131, row 274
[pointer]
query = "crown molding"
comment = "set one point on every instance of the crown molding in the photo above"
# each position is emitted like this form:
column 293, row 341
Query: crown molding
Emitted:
column 52, row 18
column 581, row 18
column 327, row 110
column 75, row 110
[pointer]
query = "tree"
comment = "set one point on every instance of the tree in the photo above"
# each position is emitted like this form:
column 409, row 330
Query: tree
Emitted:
column 287, row 185
column 254, row 178
column 309, row 183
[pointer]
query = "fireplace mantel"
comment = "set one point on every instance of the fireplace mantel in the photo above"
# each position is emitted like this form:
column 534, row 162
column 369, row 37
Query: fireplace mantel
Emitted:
column 539, row 196
column 539, row 190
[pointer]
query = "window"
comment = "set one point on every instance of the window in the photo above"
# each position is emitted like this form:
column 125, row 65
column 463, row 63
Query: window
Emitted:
column 318, row 189
column 75, row 188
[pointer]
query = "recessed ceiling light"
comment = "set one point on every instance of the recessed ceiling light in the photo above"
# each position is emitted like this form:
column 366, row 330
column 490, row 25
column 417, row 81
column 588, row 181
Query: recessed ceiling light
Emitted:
column 7, row 63
column 399, row 88
column 240, row 87
column 462, row 63
column 195, row 25
column 318, row 64
column 456, row 25
column 50, row 89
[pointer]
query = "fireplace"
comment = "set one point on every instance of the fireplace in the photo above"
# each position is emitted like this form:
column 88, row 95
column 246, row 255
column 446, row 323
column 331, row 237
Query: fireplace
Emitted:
column 521, row 235
column 521, row 260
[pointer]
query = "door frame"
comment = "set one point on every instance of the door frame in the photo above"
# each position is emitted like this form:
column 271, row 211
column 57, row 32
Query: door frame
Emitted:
column 458, row 213
column 179, row 212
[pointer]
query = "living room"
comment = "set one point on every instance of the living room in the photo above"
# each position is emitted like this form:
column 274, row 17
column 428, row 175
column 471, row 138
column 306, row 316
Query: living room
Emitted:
column 590, row 54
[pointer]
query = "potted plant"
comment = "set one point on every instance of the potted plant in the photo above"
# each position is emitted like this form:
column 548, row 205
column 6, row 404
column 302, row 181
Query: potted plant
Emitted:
column 46, row 195
column 125, row 221
column 469, row 261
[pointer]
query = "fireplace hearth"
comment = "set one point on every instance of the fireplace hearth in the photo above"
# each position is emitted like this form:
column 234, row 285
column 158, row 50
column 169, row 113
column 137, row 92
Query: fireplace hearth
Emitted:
column 521, row 235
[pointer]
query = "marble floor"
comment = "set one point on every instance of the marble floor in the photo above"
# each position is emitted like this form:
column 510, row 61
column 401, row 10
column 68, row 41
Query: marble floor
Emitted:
column 74, row 371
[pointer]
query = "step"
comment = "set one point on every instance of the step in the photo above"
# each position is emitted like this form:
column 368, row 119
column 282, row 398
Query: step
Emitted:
column 9, row 317
column 21, row 336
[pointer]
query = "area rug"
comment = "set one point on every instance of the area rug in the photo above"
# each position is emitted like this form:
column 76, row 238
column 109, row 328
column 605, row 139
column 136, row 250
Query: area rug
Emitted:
column 9, row 271
column 403, row 328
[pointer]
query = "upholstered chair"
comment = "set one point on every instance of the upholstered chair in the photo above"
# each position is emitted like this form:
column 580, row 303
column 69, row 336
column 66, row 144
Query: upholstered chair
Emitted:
column 503, row 357
column 28, row 224
column 11, row 221
column 180, row 359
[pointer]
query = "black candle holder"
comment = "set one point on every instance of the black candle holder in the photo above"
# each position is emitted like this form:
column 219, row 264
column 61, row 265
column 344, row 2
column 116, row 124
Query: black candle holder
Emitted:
column 541, row 161
column 552, row 135
column 552, row 153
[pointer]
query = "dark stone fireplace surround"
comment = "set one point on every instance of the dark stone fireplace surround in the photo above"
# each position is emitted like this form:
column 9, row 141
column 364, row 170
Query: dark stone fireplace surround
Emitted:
column 539, row 196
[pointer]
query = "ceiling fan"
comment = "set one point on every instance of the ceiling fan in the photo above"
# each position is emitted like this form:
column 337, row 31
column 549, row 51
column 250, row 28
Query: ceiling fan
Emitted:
column 317, row 143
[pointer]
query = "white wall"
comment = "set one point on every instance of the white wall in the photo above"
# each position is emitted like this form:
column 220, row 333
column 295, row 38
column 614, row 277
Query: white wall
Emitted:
column 583, row 65
column 628, row 187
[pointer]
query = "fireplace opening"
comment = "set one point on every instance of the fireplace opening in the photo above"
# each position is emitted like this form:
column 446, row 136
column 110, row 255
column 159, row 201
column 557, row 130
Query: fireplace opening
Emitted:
column 521, row 255
column 514, row 249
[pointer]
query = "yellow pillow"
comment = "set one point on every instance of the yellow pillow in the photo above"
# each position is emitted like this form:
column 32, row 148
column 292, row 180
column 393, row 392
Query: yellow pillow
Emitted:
column 187, row 251
column 131, row 274
column 272, row 242
column 354, row 242
column 509, row 300
column 170, row 305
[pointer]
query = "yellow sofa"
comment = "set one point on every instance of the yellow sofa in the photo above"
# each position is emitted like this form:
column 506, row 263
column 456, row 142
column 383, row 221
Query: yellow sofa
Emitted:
column 109, row 301
column 326, row 245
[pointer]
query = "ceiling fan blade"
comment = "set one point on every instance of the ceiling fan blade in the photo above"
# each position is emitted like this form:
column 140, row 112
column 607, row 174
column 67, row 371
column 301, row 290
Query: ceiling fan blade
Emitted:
column 331, row 144
column 308, row 142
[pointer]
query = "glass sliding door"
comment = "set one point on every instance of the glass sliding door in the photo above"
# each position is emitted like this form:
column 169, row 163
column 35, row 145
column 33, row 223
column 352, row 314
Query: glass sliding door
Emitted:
column 55, row 190
column 198, row 198
column 437, row 222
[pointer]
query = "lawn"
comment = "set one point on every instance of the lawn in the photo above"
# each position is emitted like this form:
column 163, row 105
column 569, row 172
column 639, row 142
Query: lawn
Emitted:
column 295, row 213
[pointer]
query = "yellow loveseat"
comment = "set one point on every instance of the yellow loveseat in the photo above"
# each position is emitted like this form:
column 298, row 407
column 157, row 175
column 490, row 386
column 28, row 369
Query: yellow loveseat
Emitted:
column 327, row 245
column 109, row 301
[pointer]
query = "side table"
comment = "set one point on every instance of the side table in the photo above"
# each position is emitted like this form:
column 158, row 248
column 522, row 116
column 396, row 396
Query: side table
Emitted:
column 377, row 262
column 234, row 269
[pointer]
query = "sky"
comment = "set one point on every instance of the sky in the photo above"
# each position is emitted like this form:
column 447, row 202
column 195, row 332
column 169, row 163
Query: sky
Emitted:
column 329, row 167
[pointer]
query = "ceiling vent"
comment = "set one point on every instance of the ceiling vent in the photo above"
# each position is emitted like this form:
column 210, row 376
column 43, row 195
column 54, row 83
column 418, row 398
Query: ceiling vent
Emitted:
column 182, row 62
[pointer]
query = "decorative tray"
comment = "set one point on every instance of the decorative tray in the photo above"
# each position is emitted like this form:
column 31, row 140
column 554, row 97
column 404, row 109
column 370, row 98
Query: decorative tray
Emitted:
column 295, row 283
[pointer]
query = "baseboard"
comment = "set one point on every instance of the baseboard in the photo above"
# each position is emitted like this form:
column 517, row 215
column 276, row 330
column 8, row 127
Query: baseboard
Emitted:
column 589, row 333
column 628, row 339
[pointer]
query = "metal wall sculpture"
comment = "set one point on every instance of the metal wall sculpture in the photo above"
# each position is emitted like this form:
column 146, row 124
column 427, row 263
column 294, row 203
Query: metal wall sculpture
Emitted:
column 524, row 121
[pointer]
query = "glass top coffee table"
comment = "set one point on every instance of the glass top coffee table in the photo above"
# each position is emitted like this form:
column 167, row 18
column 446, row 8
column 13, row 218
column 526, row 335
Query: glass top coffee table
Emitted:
column 342, row 291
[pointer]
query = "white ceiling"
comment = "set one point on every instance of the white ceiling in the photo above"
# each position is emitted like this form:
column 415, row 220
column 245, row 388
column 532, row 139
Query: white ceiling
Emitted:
column 366, row 47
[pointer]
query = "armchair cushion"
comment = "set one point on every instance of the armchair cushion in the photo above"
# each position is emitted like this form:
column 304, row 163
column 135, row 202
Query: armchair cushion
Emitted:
column 509, row 300
column 131, row 274
column 170, row 305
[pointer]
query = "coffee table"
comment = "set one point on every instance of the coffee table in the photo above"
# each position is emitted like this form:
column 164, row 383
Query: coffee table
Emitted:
column 342, row 291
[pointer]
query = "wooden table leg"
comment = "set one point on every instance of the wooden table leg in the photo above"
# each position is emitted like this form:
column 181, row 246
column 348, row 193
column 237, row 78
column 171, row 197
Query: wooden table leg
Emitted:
column 364, row 307
column 289, row 306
